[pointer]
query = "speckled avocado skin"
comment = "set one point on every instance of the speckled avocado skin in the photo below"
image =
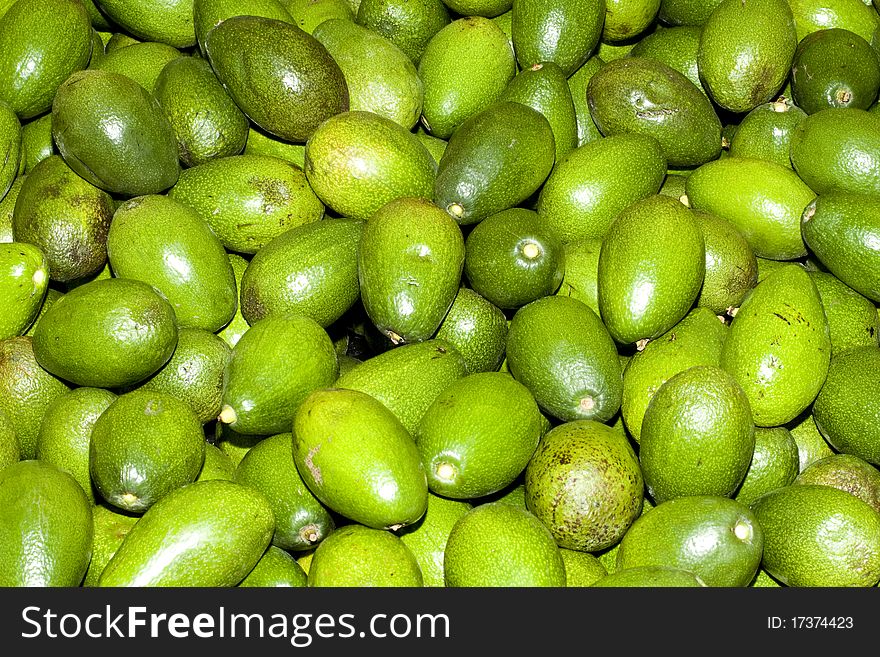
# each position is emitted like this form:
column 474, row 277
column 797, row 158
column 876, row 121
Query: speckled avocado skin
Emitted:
column 266, row 65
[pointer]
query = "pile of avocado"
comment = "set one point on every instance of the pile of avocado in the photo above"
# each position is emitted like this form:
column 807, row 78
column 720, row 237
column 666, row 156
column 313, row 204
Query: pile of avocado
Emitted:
column 453, row 293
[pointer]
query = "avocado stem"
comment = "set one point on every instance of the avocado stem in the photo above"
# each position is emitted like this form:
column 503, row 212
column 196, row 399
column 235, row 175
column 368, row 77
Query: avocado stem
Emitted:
column 227, row 415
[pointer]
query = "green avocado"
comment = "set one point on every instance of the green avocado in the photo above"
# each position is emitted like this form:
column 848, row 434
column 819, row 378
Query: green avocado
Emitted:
column 165, row 21
column 408, row 24
column 477, row 329
column 358, row 459
column 765, row 132
column 110, row 529
column 495, row 160
column 24, row 280
column 280, row 76
column 731, row 266
column 66, row 217
column 96, row 118
column 853, row 320
column 676, row 47
column 207, row 14
column 142, row 62
column 207, row 534
column 106, row 334
column 45, row 527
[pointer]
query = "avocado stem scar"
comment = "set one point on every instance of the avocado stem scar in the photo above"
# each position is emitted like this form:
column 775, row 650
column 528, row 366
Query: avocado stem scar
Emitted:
column 227, row 415
column 445, row 471
column 531, row 250
column 455, row 209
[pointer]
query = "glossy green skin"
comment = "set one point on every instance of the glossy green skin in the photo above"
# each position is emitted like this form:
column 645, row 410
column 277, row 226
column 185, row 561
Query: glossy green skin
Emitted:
column 775, row 464
column 66, row 430
column 427, row 537
column 408, row 24
column 581, row 568
column 628, row 19
column 26, row 391
column 577, row 84
column 477, row 329
column 10, row 451
column 10, row 146
column 210, row 533
column 852, row 165
column 436, row 146
column 7, row 207
column 676, row 47
column 499, row 545
column 561, row 31
column 488, row 8
column 650, row 577
column 308, row 15
column 842, row 230
column 106, row 334
column 697, row 436
column 205, row 120
column 274, row 366
column 207, row 14
column 310, row 270
column 645, row 96
column 356, row 556
column 817, row 535
column 834, row 68
column 544, row 87
column 407, row 379
column 811, row 445
column 24, row 279
column 238, row 326
column 67, row 217
column 762, row 199
column 165, row 21
column 695, row 340
column 500, row 266
column 846, row 472
column 265, row 65
column 218, row 465
column 852, row 15
column 194, row 374
column 49, row 39
column 581, row 272
column 142, row 62
column 651, row 269
column 162, row 242
column 143, row 446
column 731, row 266
column 370, row 471
column 846, row 409
column 112, row 132
column 465, row 68
column 765, row 133
column 276, row 568
column 36, row 142
column 746, row 51
column 495, row 160
column 380, row 77
column 485, row 426
column 779, row 346
column 410, row 259
column 697, row 534
column 45, row 527
column 560, row 350
column 593, row 184
column 852, row 319
column 118, row 40
column 357, row 162
column 686, row 12
column 300, row 520
column 262, row 143
column 234, row 445
column 248, row 200
column 110, row 529
column 584, row 483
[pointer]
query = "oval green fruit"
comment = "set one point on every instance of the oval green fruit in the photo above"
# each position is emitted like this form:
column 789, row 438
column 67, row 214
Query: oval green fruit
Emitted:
column 585, row 485
column 651, row 267
column 816, row 535
column 24, row 279
column 716, row 538
column 410, row 259
column 357, row 162
column 477, row 329
column 408, row 24
column 165, row 21
column 561, row 351
column 208, row 534
column 145, row 445
column 357, row 556
column 370, row 471
column 97, row 116
column 207, row 14
column 731, row 266
column 765, row 132
column 698, row 436
column 280, row 76
column 561, row 31
column 106, row 334
column 276, row 568
column 478, row 435
column 775, row 464
column 45, row 527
